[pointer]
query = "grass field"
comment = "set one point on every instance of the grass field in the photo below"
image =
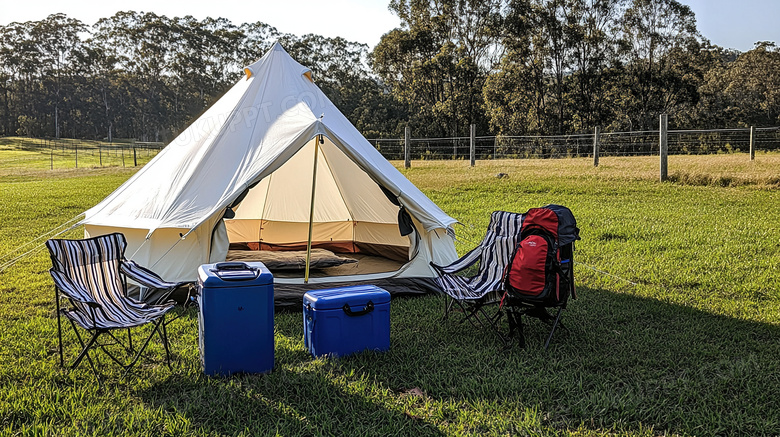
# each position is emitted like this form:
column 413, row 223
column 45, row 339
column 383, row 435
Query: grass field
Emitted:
column 676, row 330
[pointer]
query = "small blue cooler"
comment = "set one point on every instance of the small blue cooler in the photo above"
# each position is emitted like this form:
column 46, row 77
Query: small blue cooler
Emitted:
column 236, row 318
column 342, row 321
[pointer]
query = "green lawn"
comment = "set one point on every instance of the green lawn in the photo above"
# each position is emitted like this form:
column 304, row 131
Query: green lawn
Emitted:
column 24, row 154
column 676, row 330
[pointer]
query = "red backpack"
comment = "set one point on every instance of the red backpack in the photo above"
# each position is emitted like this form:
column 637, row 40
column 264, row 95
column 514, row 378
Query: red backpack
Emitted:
column 534, row 273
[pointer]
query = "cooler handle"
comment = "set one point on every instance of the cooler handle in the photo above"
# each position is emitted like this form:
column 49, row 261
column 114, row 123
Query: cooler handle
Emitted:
column 348, row 311
column 231, row 266
column 235, row 267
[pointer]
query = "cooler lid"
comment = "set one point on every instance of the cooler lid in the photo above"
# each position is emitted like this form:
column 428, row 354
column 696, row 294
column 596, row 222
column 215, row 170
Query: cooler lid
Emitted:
column 355, row 296
column 234, row 274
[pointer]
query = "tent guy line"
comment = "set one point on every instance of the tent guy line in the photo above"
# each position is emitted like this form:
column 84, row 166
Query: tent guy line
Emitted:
column 37, row 243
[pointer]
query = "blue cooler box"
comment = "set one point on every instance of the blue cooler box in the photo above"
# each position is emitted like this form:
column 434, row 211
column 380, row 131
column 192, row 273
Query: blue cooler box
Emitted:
column 342, row 321
column 236, row 318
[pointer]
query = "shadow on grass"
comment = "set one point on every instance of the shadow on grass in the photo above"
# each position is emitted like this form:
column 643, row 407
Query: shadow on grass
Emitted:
column 301, row 396
column 625, row 364
column 278, row 403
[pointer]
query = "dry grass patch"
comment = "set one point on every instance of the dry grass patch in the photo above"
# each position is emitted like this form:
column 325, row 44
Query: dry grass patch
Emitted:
column 700, row 170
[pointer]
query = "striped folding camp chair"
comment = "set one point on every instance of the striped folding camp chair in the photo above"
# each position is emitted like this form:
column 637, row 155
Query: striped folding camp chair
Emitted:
column 473, row 293
column 92, row 275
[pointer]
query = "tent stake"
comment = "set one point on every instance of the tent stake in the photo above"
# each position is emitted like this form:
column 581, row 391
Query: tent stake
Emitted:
column 317, row 140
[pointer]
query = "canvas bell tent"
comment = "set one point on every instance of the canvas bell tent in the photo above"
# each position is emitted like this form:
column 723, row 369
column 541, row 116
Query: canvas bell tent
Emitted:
column 274, row 167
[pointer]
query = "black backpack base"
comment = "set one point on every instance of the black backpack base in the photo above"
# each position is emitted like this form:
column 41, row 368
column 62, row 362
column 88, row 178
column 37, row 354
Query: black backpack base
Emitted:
column 516, row 309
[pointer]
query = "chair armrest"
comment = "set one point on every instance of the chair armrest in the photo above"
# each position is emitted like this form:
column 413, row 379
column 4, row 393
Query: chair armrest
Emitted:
column 144, row 276
column 71, row 289
column 463, row 263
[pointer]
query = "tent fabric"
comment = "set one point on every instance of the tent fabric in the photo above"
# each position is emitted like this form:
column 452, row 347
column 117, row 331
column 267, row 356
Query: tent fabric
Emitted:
column 251, row 154
column 276, row 210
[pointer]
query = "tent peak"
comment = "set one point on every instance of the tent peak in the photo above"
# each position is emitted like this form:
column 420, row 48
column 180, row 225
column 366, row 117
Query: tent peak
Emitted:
column 277, row 55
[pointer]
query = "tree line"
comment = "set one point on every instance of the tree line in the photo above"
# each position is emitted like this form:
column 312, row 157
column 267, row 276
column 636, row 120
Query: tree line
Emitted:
column 511, row 67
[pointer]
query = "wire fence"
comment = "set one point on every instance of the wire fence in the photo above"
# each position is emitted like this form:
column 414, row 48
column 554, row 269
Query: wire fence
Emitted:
column 640, row 143
column 74, row 153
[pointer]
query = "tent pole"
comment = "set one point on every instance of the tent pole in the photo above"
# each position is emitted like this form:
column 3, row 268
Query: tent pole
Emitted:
column 317, row 140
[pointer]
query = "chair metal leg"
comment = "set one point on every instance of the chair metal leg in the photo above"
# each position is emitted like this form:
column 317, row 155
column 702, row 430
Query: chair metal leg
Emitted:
column 493, row 322
column 141, row 350
column 552, row 331
column 480, row 319
column 84, row 347
column 85, row 352
column 518, row 324
column 522, row 333
column 108, row 353
column 164, row 336
column 469, row 315
column 448, row 303
column 158, row 328
column 129, row 340
column 59, row 325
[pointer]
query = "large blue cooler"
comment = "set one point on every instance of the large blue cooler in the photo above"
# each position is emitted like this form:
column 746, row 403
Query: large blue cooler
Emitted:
column 342, row 321
column 236, row 318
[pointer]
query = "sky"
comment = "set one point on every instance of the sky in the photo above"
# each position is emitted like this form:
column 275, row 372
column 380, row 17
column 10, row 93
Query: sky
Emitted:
column 355, row 20
column 736, row 24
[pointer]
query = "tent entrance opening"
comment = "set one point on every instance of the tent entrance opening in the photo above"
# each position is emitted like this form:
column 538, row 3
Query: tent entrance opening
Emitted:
column 354, row 226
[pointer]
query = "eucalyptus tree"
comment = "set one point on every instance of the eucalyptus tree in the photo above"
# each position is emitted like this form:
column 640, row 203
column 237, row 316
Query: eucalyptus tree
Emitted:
column 437, row 61
column 593, row 57
column 204, row 64
column 744, row 92
column 144, row 45
column 658, row 41
column 515, row 93
column 16, row 69
column 6, row 83
column 57, row 38
column 339, row 67
column 552, row 42
column 20, row 60
column 755, row 77
column 551, row 78
column 97, row 86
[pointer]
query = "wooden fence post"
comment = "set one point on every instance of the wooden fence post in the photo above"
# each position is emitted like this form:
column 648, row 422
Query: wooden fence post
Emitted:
column 596, row 134
column 454, row 148
column 135, row 159
column 76, row 148
column 663, row 142
column 473, row 144
column 752, row 143
column 407, row 147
